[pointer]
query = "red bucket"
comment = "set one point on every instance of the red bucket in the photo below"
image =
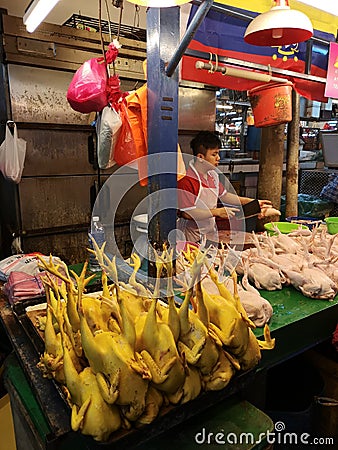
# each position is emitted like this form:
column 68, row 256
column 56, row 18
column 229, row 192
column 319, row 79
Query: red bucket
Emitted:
column 271, row 103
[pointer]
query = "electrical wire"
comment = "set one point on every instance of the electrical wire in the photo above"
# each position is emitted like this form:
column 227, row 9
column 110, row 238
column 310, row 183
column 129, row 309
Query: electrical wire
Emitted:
column 109, row 24
column 120, row 21
column 100, row 31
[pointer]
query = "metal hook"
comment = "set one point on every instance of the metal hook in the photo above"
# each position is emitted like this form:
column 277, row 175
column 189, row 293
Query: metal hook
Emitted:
column 10, row 123
column 211, row 70
column 270, row 70
column 216, row 63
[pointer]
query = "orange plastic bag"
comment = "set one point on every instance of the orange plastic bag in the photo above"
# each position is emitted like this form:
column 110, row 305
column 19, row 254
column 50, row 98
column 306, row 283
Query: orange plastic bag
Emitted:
column 125, row 149
column 137, row 112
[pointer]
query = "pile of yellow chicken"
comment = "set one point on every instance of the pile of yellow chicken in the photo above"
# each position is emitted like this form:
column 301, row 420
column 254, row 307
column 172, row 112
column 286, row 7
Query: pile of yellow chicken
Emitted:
column 122, row 354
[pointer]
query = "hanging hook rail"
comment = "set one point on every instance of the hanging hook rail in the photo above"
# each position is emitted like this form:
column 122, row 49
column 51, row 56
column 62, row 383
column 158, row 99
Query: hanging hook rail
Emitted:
column 188, row 36
column 241, row 73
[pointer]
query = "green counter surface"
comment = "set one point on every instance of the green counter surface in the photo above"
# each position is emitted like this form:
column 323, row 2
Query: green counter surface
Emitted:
column 15, row 379
column 298, row 323
column 290, row 305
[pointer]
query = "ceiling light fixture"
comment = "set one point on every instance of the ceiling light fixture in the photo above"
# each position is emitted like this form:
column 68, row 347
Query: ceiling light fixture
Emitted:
column 224, row 107
column 36, row 12
column 279, row 26
column 159, row 3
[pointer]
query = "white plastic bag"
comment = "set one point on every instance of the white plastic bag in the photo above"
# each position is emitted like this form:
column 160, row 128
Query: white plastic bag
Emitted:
column 108, row 128
column 12, row 155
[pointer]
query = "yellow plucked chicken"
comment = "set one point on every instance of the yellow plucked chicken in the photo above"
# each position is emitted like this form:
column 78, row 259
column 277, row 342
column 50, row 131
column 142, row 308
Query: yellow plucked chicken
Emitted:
column 227, row 323
column 154, row 401
column 71, row 293
column 51, row 362
column 157, row 346
column 121, row 377
column 192, row 384
column 221, row 374
column 193, row 333
column 90, row 413
column 156, row 342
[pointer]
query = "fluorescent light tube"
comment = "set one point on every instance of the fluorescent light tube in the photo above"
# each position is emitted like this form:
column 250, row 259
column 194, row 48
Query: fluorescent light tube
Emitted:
column 224, row 107
column 37, row 11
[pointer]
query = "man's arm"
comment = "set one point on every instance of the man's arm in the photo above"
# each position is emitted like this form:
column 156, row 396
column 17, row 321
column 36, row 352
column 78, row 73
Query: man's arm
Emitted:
column 200, row 214
column 234, row 199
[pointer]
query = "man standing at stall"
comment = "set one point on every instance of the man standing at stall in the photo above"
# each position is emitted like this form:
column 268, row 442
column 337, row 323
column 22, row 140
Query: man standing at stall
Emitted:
column 200, row 190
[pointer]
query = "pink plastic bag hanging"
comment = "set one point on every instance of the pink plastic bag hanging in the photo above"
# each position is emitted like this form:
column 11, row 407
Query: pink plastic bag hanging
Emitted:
column 87, row 91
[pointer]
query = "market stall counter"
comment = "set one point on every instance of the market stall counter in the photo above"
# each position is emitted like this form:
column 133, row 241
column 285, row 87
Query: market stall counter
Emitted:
column 298, row 324
column 40, row 400
column 233, row 416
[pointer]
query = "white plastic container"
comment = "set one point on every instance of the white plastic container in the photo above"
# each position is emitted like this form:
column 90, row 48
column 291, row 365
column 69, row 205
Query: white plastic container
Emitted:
column 140, row 235
column 141, row 223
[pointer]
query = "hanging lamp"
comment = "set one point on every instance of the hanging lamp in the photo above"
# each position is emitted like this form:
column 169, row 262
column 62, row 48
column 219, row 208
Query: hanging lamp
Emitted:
column 279, row 26
column 159, row 3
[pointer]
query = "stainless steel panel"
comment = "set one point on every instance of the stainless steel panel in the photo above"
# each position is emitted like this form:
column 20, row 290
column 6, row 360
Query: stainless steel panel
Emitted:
column 39, row 95
column 133, row 196
column 197, row 109
column 49, row 55
column 64, row 37
column 47, row 49
column 184, row 141
column 49, row 202
column 70, row 247
column 129, row 202
column 56, row 152
column 125, row 208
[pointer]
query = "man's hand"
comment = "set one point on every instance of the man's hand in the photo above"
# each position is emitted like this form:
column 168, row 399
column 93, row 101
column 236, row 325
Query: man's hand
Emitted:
column 224, row 212
column 264, row 203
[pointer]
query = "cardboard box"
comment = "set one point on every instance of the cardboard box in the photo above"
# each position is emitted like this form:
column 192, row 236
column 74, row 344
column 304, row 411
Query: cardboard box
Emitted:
column 7, row 434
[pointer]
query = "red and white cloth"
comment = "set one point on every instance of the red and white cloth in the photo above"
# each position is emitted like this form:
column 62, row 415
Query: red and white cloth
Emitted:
column 27, row 263
column 22, row 286
column 23, row 274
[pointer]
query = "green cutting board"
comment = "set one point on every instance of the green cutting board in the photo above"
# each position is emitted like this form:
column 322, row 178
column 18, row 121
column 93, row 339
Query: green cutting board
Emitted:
column 298, row 323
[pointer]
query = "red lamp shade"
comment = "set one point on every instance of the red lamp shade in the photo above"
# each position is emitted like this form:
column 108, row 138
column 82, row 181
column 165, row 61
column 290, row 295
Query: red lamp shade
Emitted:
column 279, row 26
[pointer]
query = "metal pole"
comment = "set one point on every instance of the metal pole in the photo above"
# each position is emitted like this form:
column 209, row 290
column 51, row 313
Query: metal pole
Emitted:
column 162, row 39
column 308, row 57
column 292, row 159
column 189, row 34
column 271, row 165
column 240, row 73
column 250, row 65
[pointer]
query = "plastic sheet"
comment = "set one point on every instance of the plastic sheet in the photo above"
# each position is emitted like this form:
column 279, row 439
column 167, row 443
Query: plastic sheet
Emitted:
column 310, row 206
